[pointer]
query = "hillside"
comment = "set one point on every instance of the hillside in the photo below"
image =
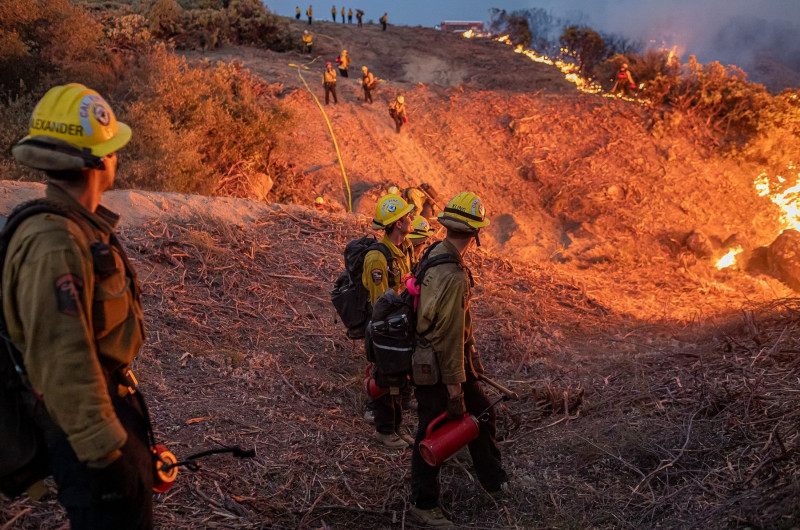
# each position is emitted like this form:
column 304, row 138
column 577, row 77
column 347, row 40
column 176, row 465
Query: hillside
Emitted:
column 656, row 390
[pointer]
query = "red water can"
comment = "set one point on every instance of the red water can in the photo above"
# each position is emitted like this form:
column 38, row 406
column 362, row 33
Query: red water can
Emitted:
column 373, row 390
column 448, row 439
column 164, row 479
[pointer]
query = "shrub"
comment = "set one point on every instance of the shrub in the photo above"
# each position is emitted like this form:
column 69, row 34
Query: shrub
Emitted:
column 42, row 40
column 196, row 125
column 587, row 46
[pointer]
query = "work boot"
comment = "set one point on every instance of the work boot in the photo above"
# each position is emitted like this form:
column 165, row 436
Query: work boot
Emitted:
column 369, row 416
column 391, row 440
column 500, row 492
column 405, row 437
column 433, row 517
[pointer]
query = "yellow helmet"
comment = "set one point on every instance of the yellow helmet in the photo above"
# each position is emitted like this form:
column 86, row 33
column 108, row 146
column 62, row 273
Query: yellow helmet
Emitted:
column 80, row 117
column 401, row 99
column 319, row 202
column 344, row 52
column 364, row 68
column 421, row 229
column 464, row 213
column 390, row 208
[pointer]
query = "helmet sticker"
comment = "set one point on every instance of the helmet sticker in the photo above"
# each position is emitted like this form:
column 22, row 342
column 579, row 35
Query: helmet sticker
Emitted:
column 477, row 208
column 391, row 206
column 84, row 108
column 101, row 114
column 423, row 225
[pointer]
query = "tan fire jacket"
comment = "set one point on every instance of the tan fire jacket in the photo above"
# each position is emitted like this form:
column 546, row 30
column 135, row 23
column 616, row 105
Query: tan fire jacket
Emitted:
column 398, row 108
column 329, row 76
column 444, row 319
column 70, row 324
column 377, row 277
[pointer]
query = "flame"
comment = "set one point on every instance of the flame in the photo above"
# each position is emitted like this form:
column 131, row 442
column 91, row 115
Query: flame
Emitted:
column 570, row 70
column 787, row 200
column 729, row 259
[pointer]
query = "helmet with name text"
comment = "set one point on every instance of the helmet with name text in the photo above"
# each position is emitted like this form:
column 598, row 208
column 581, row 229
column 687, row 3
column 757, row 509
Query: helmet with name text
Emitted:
column 464, row 213
column 72, row 127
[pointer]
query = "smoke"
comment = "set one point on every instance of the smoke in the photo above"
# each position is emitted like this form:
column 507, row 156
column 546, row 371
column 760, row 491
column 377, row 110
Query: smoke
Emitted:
column 761, row 37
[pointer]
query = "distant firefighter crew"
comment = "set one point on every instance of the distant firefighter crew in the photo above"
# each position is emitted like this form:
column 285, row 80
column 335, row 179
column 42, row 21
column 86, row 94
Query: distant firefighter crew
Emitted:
column 343, row 61
column 625, row 84
column 397, row 110
column 329, row 81
column 368, row 82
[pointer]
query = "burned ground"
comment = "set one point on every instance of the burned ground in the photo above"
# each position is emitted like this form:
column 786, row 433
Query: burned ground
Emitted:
column 621, row 421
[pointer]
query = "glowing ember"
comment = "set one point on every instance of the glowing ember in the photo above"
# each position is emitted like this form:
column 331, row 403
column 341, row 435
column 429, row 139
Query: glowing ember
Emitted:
column 787, row 200
column 729, row 259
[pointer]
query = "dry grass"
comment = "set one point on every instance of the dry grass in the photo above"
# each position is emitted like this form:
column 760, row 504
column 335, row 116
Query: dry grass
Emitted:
column 620, row 424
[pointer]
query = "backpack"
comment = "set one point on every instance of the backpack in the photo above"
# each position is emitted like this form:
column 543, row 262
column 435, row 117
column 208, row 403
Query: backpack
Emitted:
column 23, row 455
column 349, row 296
column 391, row 334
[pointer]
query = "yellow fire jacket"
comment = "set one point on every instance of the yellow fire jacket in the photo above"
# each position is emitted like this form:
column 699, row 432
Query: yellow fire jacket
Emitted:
column 72, row 324
column 377, row 277
column 444, row 319
column 329, row 76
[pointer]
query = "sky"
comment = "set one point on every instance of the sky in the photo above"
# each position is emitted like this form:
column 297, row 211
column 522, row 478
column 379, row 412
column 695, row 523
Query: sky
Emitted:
column 714, row 30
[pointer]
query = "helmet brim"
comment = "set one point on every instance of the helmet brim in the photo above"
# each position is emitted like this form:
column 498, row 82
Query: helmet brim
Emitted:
column 116, row 143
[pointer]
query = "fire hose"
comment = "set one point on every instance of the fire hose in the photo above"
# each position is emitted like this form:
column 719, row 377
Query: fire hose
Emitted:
column 166, row 470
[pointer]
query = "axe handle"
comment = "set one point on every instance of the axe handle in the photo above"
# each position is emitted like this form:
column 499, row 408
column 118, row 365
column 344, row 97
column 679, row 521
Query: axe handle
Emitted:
column 500, row 388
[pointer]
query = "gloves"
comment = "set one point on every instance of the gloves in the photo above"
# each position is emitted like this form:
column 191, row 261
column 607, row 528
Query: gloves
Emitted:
column 455, row 408
column 405, row 120
column 118, row 480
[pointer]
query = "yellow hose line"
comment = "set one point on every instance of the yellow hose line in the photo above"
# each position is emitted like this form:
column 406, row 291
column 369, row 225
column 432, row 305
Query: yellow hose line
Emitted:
column 335, row 143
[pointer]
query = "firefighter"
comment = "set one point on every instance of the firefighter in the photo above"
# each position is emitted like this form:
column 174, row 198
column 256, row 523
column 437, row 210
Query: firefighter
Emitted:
column 333, row 13
column 359, row 16
column 451, row 384
column 397, row 110
column 343, row 61
column 384, row 19
column 423, row 199
column 420, row 233
column 368, row 82
column 307, row 41
column 342, row 13
column 72, row 305
column 297, row 13
column 329, row 81
column 308, row 14
column 393, row 216
column 625, row 83
column 350, row 16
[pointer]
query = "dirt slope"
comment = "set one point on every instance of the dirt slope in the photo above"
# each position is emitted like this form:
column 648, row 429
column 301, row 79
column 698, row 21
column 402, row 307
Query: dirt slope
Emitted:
column 596, row 184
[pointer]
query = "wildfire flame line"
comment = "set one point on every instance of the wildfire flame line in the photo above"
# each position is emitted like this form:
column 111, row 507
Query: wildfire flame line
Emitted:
column 570, row 70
